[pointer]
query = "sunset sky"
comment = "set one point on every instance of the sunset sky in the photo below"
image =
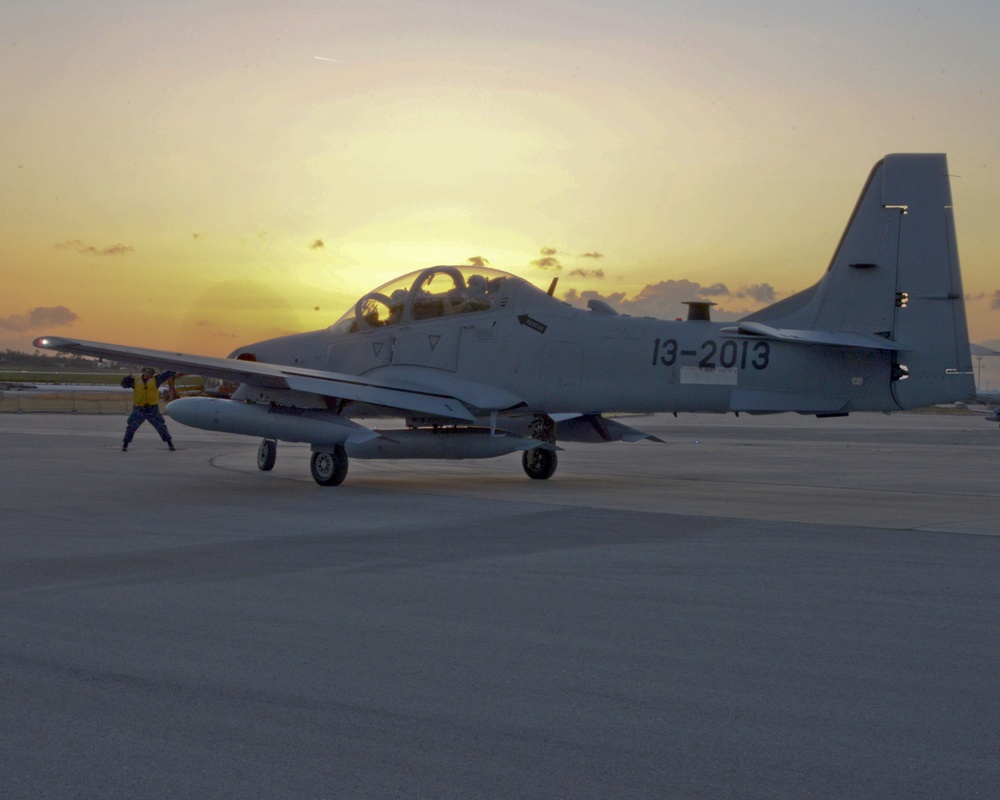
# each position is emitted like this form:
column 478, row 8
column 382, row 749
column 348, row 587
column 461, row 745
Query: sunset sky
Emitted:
column 197, row 175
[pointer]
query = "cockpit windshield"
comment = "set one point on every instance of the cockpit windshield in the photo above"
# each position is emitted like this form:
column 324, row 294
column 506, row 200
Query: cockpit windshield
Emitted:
column 426, row 294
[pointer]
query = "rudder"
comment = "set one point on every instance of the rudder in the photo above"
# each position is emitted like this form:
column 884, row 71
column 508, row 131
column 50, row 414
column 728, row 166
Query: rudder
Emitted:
column 929, row 321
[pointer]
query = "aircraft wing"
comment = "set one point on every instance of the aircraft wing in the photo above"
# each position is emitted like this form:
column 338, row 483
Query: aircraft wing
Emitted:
column 413, row 395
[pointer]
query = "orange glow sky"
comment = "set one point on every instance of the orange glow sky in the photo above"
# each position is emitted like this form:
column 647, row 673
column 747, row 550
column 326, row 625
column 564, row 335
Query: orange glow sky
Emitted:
column 195, row 176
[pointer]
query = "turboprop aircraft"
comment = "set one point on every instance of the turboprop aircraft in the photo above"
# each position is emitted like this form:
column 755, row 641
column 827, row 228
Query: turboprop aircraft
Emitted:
column 481, row 363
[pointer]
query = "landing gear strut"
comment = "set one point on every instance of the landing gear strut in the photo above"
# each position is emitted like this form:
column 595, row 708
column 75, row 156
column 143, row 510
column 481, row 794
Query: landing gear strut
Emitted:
column 329, row 468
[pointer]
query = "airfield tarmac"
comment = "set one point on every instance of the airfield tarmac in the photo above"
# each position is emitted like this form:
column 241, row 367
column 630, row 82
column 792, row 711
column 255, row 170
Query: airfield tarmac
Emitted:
column 761, row 607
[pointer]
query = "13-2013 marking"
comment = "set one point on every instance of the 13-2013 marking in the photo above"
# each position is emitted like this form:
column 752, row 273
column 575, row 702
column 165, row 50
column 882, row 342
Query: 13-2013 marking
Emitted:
column 731, row 353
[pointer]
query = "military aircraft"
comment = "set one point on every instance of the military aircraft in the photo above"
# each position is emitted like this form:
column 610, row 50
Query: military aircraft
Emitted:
column 481, row 363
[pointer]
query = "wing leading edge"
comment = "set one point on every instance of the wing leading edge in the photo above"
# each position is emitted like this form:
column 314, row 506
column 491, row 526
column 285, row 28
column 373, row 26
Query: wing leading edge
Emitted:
column 411, row 396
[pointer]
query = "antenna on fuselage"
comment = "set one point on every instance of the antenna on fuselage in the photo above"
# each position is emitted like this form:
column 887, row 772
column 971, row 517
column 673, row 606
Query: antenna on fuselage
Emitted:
column 552, row 286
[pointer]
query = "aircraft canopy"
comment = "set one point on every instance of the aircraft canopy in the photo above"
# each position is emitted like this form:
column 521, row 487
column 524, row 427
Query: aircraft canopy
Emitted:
column 426, row 294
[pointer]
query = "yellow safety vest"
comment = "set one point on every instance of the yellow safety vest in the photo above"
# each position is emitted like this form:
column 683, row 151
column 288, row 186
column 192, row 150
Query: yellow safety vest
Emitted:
column 145, row 392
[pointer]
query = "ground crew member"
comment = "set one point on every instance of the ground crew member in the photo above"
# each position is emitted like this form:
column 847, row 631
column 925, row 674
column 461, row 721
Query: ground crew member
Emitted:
column 146, row 404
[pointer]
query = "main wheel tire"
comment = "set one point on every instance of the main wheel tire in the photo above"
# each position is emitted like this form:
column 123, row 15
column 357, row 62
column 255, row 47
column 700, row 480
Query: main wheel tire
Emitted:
column 329, row 469
column 267, row 454
column 539, row 463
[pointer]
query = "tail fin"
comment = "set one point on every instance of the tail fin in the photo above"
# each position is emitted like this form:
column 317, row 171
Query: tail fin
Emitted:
column 895, row 275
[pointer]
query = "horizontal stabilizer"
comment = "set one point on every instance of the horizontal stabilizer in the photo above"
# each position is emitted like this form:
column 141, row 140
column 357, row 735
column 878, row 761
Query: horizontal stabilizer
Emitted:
column 830, row 338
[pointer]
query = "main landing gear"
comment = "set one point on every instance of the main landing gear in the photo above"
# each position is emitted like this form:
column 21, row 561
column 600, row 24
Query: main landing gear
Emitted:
column 267, row 454
column 329, row 468
column 539, row 463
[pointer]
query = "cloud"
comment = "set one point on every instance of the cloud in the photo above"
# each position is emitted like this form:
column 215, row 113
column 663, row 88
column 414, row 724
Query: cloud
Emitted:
column 40, row 317
column 993, row 299
column 715, row 290
column 317, row 245
column 758, row 292
column 89, row 250
column 548, row 262
column 761, row 292
column 665, row 300
column 478, row 261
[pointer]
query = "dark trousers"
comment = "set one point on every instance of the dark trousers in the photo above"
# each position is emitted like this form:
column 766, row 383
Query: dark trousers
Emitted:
column 150, row 414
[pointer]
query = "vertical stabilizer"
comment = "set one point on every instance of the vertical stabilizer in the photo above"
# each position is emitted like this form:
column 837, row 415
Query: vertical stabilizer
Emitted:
column 895, row 274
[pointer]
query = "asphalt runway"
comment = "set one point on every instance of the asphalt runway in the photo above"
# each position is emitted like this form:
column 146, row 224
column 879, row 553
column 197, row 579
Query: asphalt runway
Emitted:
column 761, row 607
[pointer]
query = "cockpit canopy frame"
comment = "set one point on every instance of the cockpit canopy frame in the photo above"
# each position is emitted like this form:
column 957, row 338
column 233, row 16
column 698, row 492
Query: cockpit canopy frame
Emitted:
column 430, row 293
